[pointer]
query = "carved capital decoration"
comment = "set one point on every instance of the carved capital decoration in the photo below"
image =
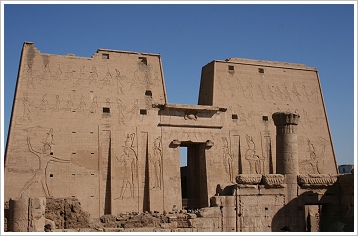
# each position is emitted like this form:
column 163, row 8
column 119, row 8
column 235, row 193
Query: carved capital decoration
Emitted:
column 316, row 179
column 248, row 178
column 274, row 180
column 285, row 122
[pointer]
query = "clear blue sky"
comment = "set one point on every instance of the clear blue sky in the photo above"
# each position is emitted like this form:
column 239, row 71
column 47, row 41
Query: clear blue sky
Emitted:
column 190, row 36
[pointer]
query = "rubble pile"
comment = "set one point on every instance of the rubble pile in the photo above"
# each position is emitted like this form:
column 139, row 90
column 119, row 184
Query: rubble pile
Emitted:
column 66, row 213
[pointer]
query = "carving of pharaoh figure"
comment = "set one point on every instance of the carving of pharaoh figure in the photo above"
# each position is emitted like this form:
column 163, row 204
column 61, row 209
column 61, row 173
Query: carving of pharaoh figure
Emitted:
column 128, row 160
column 255, row 161
column 314, row 158
column 156, row 162
column 44, row 157
column 227, row 158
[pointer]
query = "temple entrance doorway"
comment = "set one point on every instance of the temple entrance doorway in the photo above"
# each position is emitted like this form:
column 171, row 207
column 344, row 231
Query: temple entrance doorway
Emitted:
column 193, row 175
column 313, row 215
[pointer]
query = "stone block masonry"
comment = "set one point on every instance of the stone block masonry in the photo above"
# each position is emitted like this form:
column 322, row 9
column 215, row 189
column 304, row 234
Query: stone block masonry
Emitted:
column 100, row 130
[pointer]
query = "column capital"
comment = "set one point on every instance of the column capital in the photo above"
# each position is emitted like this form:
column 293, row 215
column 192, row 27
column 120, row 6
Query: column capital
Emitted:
column 285, row 118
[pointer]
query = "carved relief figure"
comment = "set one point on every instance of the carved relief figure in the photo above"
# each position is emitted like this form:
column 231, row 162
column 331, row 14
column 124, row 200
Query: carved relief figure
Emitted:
column 45, row 73
column 135, row 80
column 307, row 120
column 57, row 104
column 266, row 148
column 119, row 84
column 93, row 77
column 305, row 93
column 313, row 157
column 120, row 111
column 107, row 79
column 82, row 105
column 69, row 103
column 26, row 114
column 261, row 92
column 279, row 93
column 69, row 73
column 44, row 104
column 81, row 75
column 270, row 93
column 108, row 102
column 296, row 93
column 156, row 161
column 58, row 71
column 255, row 161
column 94, row 105
column 287, row 94
column 129, row 161
column 135, row 109
column 228, row 160
column 49, row 139
column 44, row 158
column 30, row 77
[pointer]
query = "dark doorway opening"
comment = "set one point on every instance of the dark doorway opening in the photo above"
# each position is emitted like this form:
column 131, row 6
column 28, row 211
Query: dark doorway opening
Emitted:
column 193, row 176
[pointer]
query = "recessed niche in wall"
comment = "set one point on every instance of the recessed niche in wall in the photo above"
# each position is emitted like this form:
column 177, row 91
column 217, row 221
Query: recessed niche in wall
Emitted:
column 143, row 60
column 106, row 110
column 148, row 93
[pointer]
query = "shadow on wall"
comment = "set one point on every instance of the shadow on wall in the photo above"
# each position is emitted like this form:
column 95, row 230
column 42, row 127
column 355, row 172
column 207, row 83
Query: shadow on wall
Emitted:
column 313, row 212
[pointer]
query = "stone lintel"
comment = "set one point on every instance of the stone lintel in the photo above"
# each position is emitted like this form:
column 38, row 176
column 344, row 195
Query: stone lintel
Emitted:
column 193, row 108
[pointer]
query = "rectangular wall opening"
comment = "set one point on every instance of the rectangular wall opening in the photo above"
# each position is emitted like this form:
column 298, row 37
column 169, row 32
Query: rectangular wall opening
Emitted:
column 193, row 175
column 184, row 175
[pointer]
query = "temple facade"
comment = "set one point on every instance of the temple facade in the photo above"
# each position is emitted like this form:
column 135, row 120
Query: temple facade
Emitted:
column 101, row 130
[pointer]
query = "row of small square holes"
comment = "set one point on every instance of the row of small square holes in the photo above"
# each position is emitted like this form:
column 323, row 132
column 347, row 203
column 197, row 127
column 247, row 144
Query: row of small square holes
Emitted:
column 232, row 68
column 51, row 175
column 142, row 59
column 141, row 111
column 235, row 117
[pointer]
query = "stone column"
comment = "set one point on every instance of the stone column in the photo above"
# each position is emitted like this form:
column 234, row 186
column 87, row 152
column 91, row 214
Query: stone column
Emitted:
column 27, row 214
column 18, row 215
column 287, row 150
